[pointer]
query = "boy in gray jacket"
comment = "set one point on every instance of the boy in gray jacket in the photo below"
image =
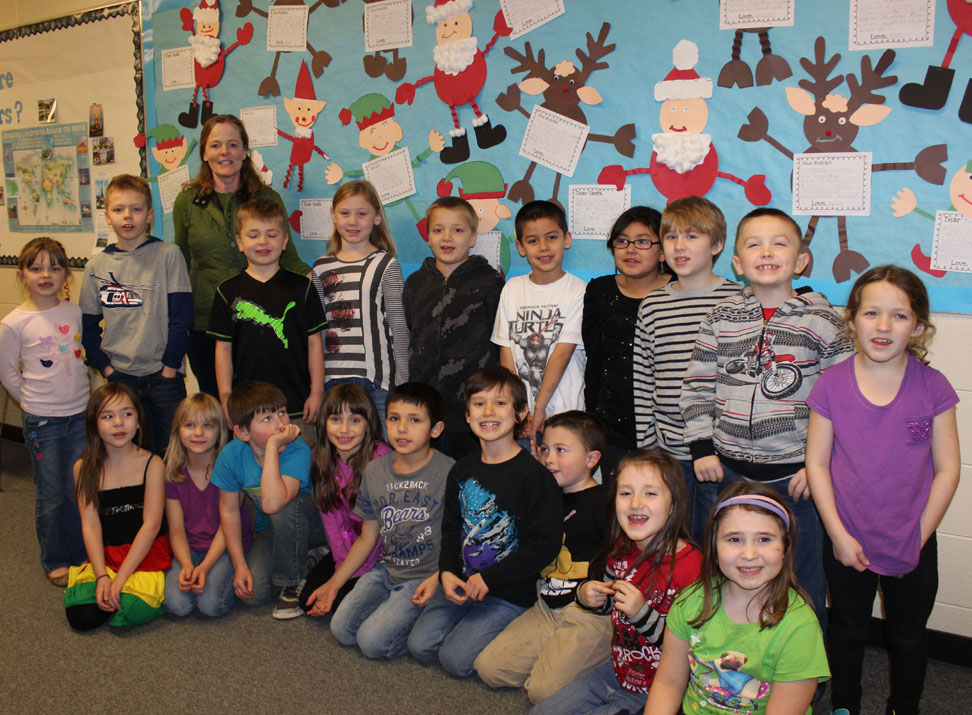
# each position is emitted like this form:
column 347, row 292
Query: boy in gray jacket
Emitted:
column 140, row 287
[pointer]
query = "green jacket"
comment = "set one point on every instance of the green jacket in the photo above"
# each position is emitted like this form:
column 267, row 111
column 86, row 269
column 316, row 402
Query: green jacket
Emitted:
column 204, row 231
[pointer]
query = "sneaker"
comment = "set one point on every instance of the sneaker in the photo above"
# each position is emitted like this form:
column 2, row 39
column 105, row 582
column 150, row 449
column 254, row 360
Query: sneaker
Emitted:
column 288, row 605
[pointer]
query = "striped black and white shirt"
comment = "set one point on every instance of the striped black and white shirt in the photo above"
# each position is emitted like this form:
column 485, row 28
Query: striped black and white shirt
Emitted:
column 366, row 335
column 665, row 333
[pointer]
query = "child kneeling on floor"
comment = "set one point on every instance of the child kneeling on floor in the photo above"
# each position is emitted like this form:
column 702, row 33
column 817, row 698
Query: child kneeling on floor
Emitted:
column 400, row 501
column 555, row 642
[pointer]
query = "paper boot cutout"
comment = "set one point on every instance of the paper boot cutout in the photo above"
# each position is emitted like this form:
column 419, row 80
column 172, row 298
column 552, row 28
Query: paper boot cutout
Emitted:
column 932, row 93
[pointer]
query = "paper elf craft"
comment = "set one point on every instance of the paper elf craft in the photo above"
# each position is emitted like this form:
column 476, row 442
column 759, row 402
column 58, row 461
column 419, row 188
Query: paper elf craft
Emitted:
column 319, row 58
column 684, row 161
column 483, row 187
column 460, row 73
column 771, row 67
column 379, row 134
column 831, row 124
column 170, row 148
column 208, row 55
column 959, row 191
column 933, row 93
column 303, row 109
column 375, row 65
column 564, row 88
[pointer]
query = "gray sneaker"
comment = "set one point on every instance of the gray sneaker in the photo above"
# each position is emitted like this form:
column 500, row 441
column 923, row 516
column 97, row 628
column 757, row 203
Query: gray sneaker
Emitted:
column 288, row 605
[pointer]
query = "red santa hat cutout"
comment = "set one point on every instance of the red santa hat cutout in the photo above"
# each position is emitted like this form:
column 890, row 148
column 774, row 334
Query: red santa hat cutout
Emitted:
column 305, row 88
column 683, row 82
column 208, row 11
column 444, row 9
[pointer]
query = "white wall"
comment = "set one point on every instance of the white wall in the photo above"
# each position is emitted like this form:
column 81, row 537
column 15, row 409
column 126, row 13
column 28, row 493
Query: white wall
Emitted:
column 951, row 348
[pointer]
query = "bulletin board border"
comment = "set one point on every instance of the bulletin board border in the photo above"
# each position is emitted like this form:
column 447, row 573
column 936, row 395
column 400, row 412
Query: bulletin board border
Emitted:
column 97, row 15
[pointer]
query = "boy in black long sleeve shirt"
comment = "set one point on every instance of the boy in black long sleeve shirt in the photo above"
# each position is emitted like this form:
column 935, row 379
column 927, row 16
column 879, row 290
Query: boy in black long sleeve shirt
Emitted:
column 503, row 523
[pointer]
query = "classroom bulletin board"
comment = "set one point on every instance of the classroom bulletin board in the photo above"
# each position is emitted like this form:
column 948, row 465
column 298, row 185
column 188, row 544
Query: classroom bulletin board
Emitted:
column 70, row 103
column 853, row 115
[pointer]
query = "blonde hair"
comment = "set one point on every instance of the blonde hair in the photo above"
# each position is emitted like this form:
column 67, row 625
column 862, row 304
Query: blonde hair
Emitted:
column 380, row 236
column 203, row 407
column 454, row 203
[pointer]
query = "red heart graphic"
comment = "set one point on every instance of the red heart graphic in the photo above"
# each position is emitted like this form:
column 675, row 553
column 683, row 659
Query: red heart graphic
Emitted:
column 64, row 329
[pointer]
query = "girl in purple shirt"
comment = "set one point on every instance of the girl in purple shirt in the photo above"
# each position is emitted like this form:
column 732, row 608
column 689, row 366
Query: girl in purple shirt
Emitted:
column 348, row 437
column 883, row 464
column 202, row 572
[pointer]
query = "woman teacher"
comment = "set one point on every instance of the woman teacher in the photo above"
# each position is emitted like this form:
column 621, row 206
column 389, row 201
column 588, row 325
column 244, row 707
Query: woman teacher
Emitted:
column 204, row 217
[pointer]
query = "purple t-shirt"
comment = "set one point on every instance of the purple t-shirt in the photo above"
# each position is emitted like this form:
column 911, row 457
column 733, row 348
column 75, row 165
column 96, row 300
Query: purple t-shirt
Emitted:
column 200, row 513
column 881, row 465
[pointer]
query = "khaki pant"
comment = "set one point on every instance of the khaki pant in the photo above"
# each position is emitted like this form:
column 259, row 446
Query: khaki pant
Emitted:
column 543, row 650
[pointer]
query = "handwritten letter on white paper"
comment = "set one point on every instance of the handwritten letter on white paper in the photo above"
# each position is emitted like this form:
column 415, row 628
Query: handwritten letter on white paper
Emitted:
column 738, row 14
column 553, row 140
column 315, row 219
column 392, row 175
column 178, row 71
column 836, row 184
column 594, row 208
column 903, row 23
column 170, row 184
column 287, row 28
column 261, row 125
column 488, row 246
column 387, row 25
column 953, row 242
column 526, row 15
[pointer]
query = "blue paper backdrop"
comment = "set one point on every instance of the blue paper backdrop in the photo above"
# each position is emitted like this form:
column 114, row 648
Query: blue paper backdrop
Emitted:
column 645, row 34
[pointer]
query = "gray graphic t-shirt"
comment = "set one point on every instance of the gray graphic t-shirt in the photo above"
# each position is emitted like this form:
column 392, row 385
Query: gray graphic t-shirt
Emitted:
column 408, row 509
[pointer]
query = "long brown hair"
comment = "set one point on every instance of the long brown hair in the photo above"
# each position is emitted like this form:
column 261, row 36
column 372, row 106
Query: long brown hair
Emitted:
column 380, row 236
column 775, row 595
column 663, row 546
column 249, row 178
column 914, row 290
column 324, row 461
column 201, row 407
column 94, row 454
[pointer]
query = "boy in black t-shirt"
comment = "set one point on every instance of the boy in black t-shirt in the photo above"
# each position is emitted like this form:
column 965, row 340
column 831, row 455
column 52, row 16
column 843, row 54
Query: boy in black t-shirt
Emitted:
column 266, row 320
column 555, row 642
column 503, row 522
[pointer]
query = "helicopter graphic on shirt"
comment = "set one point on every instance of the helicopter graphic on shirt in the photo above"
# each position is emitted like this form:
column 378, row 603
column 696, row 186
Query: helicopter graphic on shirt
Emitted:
column 115, row 294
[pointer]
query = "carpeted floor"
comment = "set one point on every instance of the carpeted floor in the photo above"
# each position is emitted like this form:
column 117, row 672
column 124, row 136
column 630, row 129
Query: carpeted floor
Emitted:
column 245, row 662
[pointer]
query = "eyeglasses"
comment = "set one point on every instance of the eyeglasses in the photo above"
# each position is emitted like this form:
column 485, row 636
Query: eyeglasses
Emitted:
column 642, row 244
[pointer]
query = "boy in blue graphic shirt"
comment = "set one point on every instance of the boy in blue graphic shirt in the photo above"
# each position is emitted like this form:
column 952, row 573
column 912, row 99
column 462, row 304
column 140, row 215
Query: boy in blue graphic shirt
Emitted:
column 268, row 464
column 503, row 523
column 266, row 320
column 401, row 502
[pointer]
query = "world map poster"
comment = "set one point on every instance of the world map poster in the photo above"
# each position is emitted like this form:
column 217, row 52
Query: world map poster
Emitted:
column 47, row 179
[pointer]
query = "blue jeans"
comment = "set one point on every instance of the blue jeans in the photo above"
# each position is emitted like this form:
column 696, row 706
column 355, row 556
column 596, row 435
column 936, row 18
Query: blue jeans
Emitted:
column 288, row 540
column 217, row 597
column 55, row 444
column 808, row 559
column 258, row 560
column 160, row 396
column 597, row 692
column 377, row 394
column 700, row 496
column 458, row 634
column 377, row 615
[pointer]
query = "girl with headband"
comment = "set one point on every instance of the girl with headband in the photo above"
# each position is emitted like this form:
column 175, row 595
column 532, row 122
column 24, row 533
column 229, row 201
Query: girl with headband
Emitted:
column 743, row 638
